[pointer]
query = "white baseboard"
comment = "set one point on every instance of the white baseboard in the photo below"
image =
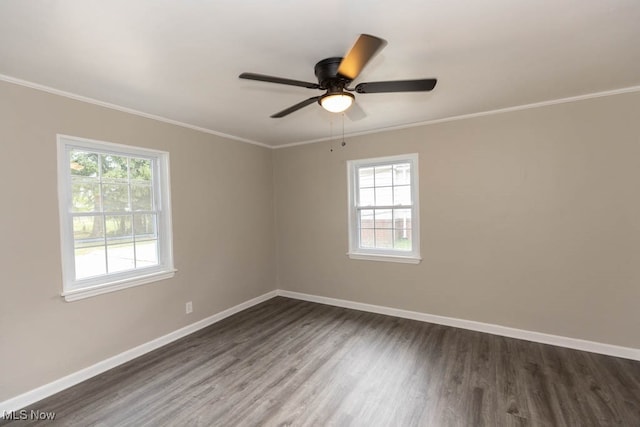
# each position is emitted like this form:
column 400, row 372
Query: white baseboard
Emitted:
column 56, row 386
column 578, row 344
column 33, row 396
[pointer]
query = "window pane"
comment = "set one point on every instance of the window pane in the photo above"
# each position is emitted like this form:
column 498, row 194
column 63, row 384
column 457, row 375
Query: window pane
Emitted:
column 115, row 197
column 145, row 226
column 87, row 230
column 384, row 239
column 118, row 227
column 120, row 255
column 402, row 195
column 383, row 218
column 366, row 218
column 384, row 196
column 367, row 238
column 146, row 253
column 366, row 197
column 85, row 195
column 365, row 177
column 82, row 163
column 402, row 239
column 402, row 218
column 140, row 169
column 402, row 174
column 141, row 197
column 383, row 175
column 90, row 261
column 114, row 167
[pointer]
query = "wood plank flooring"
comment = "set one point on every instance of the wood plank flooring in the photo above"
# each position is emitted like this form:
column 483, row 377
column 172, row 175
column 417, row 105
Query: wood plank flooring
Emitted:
column 294, row 363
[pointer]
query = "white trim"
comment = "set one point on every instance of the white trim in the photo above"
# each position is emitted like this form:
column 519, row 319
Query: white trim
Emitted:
column 379, row 254
column 71, row 95
column 385, row 258
column 613, row 92
column 35, row 395
column 108, row 146
column 37, row 86
column 557, row 340
column 75, row 289
column 82, row 293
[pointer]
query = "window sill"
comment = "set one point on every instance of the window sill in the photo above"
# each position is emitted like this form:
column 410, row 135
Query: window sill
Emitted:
column 385, row 258
column 78, row 294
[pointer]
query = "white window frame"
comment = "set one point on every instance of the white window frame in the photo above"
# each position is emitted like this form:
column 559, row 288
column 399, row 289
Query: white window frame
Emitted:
column 371, row 254
column 83, row 288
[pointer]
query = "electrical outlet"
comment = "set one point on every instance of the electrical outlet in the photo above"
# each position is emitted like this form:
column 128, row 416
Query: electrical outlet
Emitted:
column 189, row 307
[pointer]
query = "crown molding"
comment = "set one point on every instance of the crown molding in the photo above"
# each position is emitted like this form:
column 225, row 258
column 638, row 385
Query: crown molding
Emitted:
column 128, row 110
column 81, row 98
column 613, row 92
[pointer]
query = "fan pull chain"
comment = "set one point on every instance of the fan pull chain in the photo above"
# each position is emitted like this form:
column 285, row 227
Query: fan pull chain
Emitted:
column 343, row 141
column 331, row 134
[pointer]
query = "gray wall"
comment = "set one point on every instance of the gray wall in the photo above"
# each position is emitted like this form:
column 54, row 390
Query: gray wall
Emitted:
column 529, row 219
column 223, row 238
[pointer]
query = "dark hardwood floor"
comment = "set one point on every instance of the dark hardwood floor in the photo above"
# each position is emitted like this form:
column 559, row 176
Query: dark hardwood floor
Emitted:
column 288, row 362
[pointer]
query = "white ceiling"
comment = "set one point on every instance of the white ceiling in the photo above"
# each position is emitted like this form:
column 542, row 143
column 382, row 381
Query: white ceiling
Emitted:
column 180, row 60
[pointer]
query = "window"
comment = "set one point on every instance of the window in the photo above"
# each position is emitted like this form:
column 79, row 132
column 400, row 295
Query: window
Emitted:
column 115, row 216
column 383, row 209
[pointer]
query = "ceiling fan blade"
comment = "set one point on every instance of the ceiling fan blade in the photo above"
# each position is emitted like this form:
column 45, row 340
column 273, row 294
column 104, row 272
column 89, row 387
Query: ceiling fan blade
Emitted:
column 296, row 107
column 360, row 54
column 423, row 85
column 280, row 80
column 355, row 112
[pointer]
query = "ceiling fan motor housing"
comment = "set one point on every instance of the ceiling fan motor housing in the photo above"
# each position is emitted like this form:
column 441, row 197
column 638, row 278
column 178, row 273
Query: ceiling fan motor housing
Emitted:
column 327, row 73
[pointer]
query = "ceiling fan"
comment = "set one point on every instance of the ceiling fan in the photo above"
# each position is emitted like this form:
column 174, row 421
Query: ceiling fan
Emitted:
column 335, row 74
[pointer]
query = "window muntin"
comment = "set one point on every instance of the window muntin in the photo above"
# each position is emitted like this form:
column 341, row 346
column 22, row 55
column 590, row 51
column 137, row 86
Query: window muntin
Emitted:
column 383, row 208
column 115, row 215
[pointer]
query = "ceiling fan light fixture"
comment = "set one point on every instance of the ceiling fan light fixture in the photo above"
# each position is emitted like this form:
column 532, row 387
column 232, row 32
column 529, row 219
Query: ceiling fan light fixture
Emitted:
column 336, row 102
